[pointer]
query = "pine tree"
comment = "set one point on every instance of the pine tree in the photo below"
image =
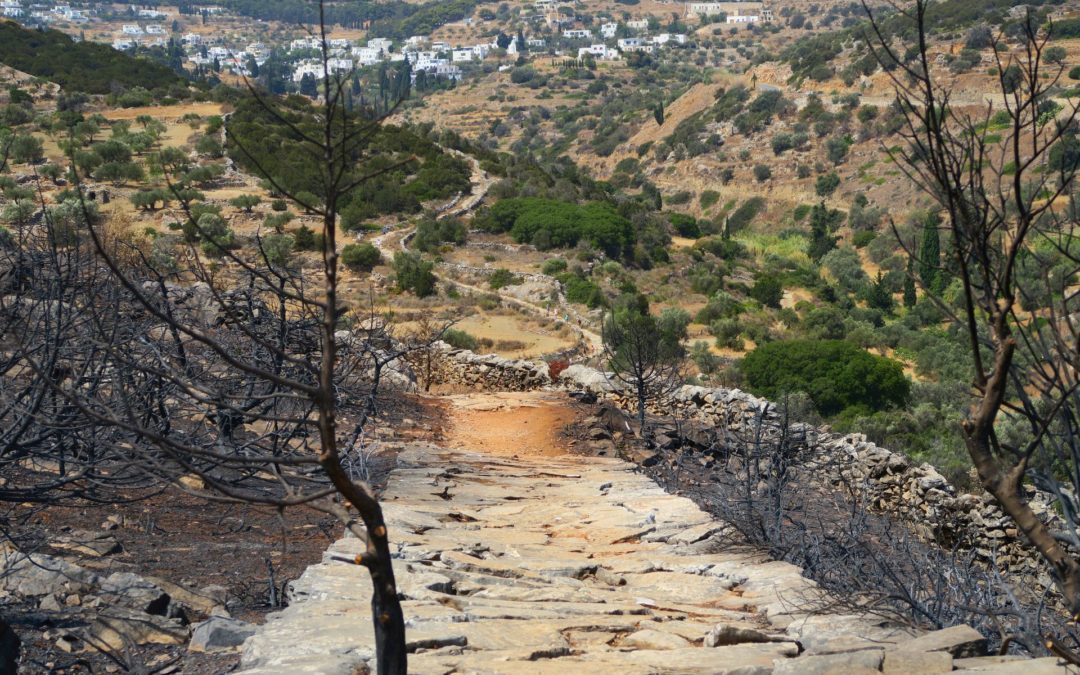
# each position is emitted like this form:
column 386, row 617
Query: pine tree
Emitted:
column 658, row 113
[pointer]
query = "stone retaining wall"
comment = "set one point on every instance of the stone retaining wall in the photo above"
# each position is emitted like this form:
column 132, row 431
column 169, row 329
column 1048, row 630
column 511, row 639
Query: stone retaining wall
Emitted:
column 889, row 482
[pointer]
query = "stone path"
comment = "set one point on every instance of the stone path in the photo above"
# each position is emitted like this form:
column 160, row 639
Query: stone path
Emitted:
column 577, row 565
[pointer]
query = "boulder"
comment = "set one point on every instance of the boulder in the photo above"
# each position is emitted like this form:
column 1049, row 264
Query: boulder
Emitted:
column 219, row 634
column 131, row 590
column 118, row 628
column 44, row 575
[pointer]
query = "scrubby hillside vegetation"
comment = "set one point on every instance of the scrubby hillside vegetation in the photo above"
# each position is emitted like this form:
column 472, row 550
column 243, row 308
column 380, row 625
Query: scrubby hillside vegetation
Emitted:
column 85, row 67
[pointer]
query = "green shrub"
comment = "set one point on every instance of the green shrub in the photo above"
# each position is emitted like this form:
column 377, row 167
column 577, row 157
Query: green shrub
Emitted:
column 431, row 233
column 360, row 257
column 686, row 226
column 863, row 237
column 826, row 184
column 553, row 266
column 459, row 339
column 503, row 277
column 583, row 291
column 708, row 198
column 413, row 273
column 681, row 197
column 767, row 290
column 837, row 375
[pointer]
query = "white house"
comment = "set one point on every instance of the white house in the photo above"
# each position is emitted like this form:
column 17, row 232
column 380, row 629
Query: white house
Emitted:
column 308, row 68
column 309, row 42
column 664, row 38
column 481, row 51
column 440, row 46
column 12, row 11
column 635, row 44
column 577, row 34
column 415, row 41
column 367, row 56
column 535, row 43
column 385, row 44
column 608, row 30
column 598, row 51
column 131, row 29
column 338, row 65
column 152, row 14
column 459, row 55
column 714, row 8
column 742, row 18
column 155, row 29
column 192, row 39
column 123, row 44
column 638, row 24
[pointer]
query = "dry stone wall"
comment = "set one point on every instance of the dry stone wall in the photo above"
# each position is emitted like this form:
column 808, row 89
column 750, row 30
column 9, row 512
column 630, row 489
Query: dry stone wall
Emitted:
column 887, row 481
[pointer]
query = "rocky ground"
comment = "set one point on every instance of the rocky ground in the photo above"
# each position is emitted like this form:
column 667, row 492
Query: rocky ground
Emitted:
column 515, row 558
column 138, row 579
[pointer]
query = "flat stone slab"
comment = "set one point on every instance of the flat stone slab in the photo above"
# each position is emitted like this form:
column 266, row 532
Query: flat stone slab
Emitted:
column 568, row 565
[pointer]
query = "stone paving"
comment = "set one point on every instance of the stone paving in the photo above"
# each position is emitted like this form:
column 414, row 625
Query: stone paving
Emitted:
column 580, row 565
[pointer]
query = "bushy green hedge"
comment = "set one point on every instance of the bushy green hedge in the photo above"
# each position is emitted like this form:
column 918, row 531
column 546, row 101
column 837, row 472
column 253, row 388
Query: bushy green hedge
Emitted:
column 550, row 223
column 837, row 375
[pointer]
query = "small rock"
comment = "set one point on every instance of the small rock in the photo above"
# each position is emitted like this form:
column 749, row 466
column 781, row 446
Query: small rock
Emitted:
column 135, row 592
column 724, row 635
column 959, row 641
column 219, row 634
column 917, row 663
column 69, row 644
column 49, row 603
column 865, row 661
column 654, row 639
column 217, row 593
column 192, row 482
column 90, row 544
column 119, row 627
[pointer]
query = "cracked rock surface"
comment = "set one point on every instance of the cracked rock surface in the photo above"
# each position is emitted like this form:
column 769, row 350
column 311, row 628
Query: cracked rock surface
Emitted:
column 564, row 564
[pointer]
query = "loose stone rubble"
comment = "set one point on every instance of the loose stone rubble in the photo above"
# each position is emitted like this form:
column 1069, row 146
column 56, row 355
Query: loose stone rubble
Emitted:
column 582, row 565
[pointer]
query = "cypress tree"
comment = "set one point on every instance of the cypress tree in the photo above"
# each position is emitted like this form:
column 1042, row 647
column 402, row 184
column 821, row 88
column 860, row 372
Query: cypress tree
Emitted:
column 930, row 254
column 909, row 285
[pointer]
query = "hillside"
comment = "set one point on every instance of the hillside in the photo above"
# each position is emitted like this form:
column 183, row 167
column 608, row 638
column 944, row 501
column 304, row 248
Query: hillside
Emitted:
column 87, row 67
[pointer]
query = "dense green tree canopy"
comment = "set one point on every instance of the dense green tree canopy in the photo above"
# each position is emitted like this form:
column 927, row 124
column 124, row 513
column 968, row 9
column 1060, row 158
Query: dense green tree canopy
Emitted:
column 837, row 375
column 87, row 66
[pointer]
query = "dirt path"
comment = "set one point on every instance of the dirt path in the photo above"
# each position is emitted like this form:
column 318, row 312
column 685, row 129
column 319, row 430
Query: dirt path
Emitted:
column 513, row 424
column 388, row 244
